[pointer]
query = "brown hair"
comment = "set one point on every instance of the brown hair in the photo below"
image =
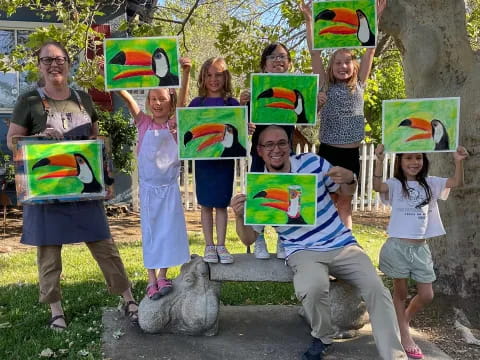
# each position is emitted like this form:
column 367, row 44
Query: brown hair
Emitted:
column 352, row 82
column 202, row 78
column 173, row 101
column 54, row 43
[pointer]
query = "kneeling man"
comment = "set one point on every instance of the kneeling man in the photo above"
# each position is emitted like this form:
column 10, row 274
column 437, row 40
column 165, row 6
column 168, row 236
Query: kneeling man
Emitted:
column 327, row 247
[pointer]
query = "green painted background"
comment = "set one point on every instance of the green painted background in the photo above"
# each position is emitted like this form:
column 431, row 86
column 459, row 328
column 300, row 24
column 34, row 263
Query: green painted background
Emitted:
column 394, row 111
column 306, row 84
column 113, row 46
column 255, row 213
column 65, row 185
column 188, row 118
column 326, row 41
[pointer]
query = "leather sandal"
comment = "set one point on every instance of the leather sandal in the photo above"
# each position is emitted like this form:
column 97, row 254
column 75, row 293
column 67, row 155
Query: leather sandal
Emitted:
column 131, row 314
column 56, row 327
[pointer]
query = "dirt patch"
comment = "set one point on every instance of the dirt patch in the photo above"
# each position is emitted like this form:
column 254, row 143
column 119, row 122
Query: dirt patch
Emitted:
column 436, row 321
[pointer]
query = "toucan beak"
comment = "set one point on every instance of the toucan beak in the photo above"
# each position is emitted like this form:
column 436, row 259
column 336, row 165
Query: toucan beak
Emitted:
column 339, row 15
column 418, row 123
column 216, row 130
column 64, row 160
column 132, row 57
column 275, row 194
column 279, row 93
column 132, row 73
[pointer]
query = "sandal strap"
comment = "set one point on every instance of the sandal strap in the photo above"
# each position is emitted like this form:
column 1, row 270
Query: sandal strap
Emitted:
column 56, row 317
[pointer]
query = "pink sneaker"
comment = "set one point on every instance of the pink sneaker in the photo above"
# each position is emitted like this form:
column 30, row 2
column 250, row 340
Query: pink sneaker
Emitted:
column 152, row 292
column 164, row 286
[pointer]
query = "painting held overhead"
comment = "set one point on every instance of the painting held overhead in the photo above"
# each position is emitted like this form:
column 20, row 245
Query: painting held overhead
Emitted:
column 344, row 24
column 141, row 63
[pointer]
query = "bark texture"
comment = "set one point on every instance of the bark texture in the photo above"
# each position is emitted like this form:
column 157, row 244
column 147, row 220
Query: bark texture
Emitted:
column 439, row 62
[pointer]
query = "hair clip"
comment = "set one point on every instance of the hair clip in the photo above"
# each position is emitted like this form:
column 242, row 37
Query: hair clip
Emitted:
column 172, row 91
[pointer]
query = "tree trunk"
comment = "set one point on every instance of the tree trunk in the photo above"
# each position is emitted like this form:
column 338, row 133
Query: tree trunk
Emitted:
column 439, row 62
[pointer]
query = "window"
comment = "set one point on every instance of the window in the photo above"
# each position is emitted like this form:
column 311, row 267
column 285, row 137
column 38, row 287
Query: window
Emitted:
column 12, row 83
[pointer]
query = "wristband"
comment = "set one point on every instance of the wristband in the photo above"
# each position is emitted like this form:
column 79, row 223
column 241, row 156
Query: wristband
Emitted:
column 354, row 180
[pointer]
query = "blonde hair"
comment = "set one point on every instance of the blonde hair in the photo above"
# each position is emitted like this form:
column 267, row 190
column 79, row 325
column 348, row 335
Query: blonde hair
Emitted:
column 202, row 78
column 352, row 82
column 173, row 102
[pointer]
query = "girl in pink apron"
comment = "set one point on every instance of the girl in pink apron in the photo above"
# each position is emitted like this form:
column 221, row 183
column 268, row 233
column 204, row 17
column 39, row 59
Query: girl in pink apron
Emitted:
column 164, row 233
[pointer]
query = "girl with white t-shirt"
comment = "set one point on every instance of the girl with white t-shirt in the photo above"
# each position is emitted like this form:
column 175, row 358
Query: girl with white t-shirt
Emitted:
column 413, row 196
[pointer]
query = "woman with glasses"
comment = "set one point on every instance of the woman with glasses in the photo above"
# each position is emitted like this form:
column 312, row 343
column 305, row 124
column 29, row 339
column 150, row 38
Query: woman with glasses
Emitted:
column 57, row 111
column 275, row 59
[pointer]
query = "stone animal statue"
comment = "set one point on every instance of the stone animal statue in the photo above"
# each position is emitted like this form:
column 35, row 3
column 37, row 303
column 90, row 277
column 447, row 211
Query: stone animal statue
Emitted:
column 191, row 308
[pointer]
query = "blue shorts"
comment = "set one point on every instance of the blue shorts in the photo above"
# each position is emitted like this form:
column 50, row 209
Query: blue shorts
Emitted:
column 400, row 259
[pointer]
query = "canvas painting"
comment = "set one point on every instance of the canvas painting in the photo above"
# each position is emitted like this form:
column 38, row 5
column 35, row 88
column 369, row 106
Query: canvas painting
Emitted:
column 421, row 125
column 212, row 132
column 141, row 63
column 344, row 24
column 51, row 171
column 281, row 199
column 284, row 99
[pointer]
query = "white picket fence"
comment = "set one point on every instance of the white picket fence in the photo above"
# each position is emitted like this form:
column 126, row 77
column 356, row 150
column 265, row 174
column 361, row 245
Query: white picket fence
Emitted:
column 364, row 200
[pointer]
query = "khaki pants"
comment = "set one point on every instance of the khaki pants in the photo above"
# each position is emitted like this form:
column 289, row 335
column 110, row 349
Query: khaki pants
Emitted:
column 351, row 264
column 106, row 254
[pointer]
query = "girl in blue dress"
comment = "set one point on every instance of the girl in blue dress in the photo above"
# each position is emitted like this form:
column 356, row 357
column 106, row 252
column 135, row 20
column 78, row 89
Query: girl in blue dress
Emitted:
column 214, row 178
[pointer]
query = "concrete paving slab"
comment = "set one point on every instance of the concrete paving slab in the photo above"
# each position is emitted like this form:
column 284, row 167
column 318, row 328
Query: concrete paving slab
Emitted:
column 257, row 332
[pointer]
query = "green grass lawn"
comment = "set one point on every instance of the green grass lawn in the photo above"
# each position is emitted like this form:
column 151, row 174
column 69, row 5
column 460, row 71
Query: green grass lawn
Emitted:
column 23, row 331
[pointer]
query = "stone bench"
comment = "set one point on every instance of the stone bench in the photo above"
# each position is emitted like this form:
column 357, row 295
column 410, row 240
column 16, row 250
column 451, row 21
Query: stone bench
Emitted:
column 192, row 307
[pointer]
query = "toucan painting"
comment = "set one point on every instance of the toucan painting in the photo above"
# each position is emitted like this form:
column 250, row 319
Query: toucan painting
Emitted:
column 62, row 170
column 212, row 132
column 224, row 134
column 141, row 63
column 281, row 199
column 434, row 130
column 66, row 165
column 295, row 101
column 421, row 125
column 284, row 99
column 344, row 24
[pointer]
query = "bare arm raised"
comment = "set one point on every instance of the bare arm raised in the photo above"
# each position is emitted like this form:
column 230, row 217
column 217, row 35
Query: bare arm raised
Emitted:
column 457, row 179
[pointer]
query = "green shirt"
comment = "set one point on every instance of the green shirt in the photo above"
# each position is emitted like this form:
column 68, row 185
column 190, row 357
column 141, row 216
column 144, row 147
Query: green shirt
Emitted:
column 30, row 114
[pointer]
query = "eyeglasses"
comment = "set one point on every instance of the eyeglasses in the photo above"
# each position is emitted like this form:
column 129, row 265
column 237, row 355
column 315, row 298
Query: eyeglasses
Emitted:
column 269, row 146
column 47, row 60
column 282, row 57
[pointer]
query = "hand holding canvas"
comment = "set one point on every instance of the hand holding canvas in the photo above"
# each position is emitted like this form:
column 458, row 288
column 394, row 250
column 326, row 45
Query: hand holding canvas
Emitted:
column 238, row 205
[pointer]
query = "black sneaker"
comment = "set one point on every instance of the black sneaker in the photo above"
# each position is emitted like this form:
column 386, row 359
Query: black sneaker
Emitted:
column 316, row 350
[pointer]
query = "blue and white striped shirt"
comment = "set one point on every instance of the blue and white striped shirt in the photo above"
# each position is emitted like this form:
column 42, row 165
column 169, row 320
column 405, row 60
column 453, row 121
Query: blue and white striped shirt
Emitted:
column 329, row 233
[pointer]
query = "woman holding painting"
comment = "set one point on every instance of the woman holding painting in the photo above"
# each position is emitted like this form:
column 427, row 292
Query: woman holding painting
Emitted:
column 57, row 111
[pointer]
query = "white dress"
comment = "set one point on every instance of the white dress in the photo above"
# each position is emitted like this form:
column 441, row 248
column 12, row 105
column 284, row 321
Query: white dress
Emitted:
column 164, row 233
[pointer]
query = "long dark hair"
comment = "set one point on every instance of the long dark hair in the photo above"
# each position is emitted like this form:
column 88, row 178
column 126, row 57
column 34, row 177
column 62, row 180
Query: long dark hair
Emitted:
column 421, row 178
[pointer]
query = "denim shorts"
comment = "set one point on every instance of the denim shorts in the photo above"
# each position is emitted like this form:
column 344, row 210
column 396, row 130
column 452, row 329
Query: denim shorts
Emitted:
column 400, row 259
